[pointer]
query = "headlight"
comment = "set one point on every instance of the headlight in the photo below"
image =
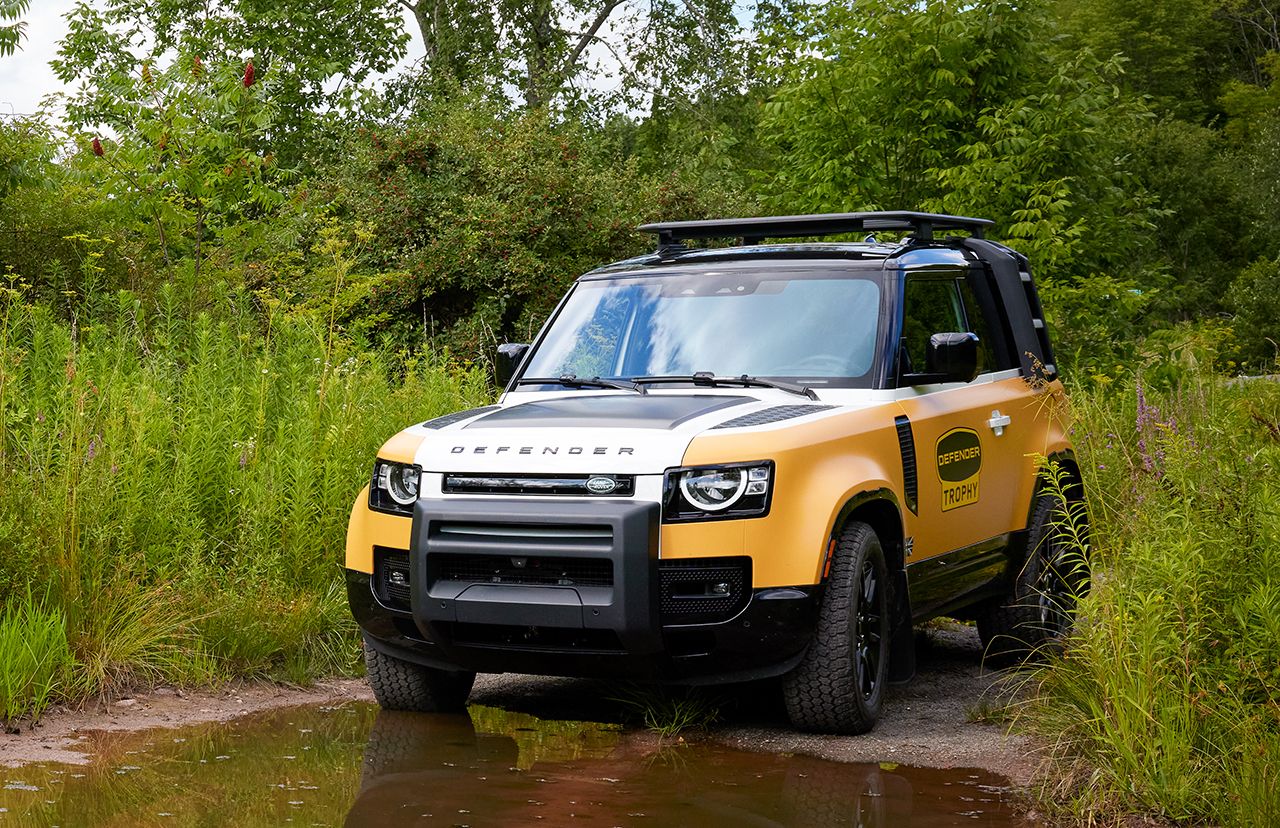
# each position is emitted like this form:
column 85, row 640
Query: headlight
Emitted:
column 394, row 487
column 735, row 490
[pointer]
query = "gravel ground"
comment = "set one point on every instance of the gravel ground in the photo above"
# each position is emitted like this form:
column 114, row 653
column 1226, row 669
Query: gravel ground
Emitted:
column 925, row 721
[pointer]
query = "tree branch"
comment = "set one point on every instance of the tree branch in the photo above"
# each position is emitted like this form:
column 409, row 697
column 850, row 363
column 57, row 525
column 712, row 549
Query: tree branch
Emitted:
column 589, row 35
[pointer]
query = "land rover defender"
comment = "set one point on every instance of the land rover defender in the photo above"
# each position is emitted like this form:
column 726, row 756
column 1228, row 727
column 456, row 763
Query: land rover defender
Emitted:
column 736, row 462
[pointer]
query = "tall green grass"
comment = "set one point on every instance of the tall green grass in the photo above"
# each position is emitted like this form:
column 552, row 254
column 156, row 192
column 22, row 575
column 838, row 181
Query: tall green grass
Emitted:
column 179, row 486
column 35, row 657
column 1167, row 701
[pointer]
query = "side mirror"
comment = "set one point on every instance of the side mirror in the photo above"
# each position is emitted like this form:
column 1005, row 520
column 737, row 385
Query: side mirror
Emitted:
column 953, row 356
column 510, row 355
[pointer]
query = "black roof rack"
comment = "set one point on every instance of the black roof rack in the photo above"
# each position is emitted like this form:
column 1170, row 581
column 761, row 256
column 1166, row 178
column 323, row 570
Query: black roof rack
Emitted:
column 755, row 230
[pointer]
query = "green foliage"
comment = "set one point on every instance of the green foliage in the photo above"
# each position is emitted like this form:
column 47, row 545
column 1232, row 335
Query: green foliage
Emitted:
column 474, row 223
column 11, row 34
column 180, row 486
column 1093, row 323
column 35, row 660
column 315, row 56
column 26, row 152
column 959, row 108
column 1172, row 48
column 1255, row 297
column 669, row 711
column 188, row 159
column 548, row 53
column 1168, row 700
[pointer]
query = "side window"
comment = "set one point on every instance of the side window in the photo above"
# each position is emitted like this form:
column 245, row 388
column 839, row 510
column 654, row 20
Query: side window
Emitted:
column 977, row 323
column 930, row 306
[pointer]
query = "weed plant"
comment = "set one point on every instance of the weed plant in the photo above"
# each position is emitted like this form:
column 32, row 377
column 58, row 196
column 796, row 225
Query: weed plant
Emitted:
column 669, row 711
column 178, row 484
column 1167, row 700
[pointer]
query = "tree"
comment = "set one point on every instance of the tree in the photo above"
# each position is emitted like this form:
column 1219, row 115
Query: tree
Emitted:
column 1172, row 48
column 315, row 55
column 544, row 50
column 187, row 156
column 958, row 107
column 11, row 33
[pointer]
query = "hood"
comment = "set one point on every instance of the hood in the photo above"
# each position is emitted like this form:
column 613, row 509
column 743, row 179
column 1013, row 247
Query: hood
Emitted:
column 583, row 433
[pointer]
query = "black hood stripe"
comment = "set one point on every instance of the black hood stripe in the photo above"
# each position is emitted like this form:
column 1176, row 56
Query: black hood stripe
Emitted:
column 655, row 411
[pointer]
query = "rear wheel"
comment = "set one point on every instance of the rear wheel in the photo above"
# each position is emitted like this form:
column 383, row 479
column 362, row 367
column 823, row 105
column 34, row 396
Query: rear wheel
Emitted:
column 1035, row 617
column 402, row 685
column 839, row 686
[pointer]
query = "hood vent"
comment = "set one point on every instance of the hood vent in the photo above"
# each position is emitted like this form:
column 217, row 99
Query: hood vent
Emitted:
column 457, row 417
column 773, row 415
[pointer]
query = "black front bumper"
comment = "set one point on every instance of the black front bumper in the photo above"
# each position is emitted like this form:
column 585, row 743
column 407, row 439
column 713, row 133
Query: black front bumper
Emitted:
column 573, row 589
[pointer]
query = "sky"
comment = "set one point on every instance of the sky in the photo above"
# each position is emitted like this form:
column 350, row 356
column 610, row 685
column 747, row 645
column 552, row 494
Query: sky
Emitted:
column 25, row 77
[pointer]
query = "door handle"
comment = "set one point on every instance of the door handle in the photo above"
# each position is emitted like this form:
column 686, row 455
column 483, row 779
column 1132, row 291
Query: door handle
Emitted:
column 998, row 422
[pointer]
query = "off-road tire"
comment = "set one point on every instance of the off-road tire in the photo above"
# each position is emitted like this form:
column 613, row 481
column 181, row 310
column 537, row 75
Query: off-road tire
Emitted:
column 402, row 685
column 838, row 687
column 1036, row 615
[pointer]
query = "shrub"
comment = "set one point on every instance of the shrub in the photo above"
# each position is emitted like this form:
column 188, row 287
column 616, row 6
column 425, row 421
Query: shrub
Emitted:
column 1168, row 700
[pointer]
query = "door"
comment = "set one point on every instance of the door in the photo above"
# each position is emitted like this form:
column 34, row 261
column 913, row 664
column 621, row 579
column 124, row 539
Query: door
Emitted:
column 970, row 438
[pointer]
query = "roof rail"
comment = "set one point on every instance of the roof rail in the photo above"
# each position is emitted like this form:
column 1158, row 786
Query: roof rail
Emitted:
column 755, row 230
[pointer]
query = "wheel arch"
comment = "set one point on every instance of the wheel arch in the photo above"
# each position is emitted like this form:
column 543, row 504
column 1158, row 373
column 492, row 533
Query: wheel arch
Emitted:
column 879, row 509
column 1066, row 459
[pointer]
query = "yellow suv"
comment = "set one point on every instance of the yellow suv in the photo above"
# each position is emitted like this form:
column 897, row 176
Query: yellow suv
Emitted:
column 724, row 464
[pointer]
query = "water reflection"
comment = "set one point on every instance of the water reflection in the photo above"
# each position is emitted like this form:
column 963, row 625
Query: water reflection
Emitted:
column 451, row 770
column 493, row 767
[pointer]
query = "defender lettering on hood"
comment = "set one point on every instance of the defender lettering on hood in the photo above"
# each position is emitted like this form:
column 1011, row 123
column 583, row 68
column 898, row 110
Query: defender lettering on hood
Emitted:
column 595, row 450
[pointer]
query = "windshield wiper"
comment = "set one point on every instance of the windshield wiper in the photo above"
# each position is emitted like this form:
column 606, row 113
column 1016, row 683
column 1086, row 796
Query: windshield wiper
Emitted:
column 574, row 381
column 711, row 380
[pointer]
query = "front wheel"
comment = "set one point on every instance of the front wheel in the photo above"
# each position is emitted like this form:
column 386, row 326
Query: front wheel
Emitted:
column 839, row 686
column 402, row 685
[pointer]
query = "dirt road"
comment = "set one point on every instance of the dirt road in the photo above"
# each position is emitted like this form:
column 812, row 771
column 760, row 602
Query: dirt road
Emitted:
column 926, row 722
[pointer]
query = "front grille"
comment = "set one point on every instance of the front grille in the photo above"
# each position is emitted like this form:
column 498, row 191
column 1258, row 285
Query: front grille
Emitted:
column 535, row 537
column 391, row 578
column 522, row 569
column 703, row 590
column 578, row 485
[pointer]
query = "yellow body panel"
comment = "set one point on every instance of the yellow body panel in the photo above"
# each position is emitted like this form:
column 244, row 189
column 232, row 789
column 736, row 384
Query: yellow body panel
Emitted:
column 368, row 528
column 819, row 466
column 1006, row 480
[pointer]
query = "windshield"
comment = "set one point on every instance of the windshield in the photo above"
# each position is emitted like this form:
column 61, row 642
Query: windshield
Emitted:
column 815, row 326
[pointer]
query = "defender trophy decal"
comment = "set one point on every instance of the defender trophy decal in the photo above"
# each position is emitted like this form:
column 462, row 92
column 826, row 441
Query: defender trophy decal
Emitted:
column 959, row 467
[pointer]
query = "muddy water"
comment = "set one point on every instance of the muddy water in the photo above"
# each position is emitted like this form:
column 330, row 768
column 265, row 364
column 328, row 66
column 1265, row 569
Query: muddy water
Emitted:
column 354, row 766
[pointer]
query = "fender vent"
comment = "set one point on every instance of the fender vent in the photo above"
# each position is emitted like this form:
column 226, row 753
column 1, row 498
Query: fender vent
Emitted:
column 907, row 444
column 773, row 415
column 457, row 417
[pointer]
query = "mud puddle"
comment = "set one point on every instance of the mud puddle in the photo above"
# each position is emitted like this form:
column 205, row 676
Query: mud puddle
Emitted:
column 352, row 765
